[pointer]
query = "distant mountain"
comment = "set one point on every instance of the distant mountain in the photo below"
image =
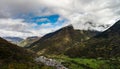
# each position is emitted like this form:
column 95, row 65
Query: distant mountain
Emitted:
column 14, row 40
column 28, row 41
column 61, row 40
column 106, row 45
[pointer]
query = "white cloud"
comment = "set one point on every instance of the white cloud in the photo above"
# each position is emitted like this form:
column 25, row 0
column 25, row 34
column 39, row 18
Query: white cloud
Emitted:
column 100, row 9
column 77, row 12
column 15, row 27
column 19, row 28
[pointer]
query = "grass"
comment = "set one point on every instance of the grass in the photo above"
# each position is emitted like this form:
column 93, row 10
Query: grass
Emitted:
column 86, row 63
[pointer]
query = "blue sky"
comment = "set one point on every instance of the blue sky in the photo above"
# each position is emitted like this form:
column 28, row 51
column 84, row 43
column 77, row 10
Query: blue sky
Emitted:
column 50, row 21
column 43, row 19
column 31, row 18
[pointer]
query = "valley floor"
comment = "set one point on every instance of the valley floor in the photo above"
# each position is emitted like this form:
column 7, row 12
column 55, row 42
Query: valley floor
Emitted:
column 87, row 63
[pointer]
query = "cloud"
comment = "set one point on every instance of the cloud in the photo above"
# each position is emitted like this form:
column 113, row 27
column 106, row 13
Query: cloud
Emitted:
column 77, row 11
column 13, row 15
column 15, row 27
column 19, row 28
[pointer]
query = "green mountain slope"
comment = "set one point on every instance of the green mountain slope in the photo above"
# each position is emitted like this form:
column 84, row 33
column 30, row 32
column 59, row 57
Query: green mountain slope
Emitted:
column 106, row 45
column 14, row 57
column 60, row 41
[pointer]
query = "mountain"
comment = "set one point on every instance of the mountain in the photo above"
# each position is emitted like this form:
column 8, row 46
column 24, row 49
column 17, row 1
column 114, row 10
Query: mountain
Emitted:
column 14, row 40
column 28, row 41
column 61, row 40
column 106, row 45
column 10, row 53
column 14, row 57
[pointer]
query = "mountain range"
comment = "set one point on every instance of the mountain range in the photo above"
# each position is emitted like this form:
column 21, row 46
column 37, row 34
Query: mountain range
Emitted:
column 106, row 45
column 86, row 43
column 81, row 49
column 67, row 41
column 61, row 40
column 14, row 40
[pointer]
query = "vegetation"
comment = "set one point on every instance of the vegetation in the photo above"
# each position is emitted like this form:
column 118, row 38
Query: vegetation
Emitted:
column 75, row 49
column 87, row 63
column 14, row 65
column 105, row 45
column 14, row 57
column 60, row 41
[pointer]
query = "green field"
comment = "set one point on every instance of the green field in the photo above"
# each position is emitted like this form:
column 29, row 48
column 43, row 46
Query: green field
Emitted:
column 88, row 63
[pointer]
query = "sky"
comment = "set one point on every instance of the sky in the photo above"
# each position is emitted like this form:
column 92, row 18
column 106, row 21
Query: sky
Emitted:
column 24, row 18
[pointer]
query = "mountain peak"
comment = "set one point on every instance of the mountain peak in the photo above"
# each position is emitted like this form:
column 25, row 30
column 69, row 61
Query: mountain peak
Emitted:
column 69, row 26
column 115, row 27
column 62, row 39
column 118, row 22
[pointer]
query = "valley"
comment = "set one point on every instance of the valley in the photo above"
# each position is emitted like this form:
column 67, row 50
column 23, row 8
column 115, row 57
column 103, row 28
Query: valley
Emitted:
column 59, row 34
column 65, row 48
